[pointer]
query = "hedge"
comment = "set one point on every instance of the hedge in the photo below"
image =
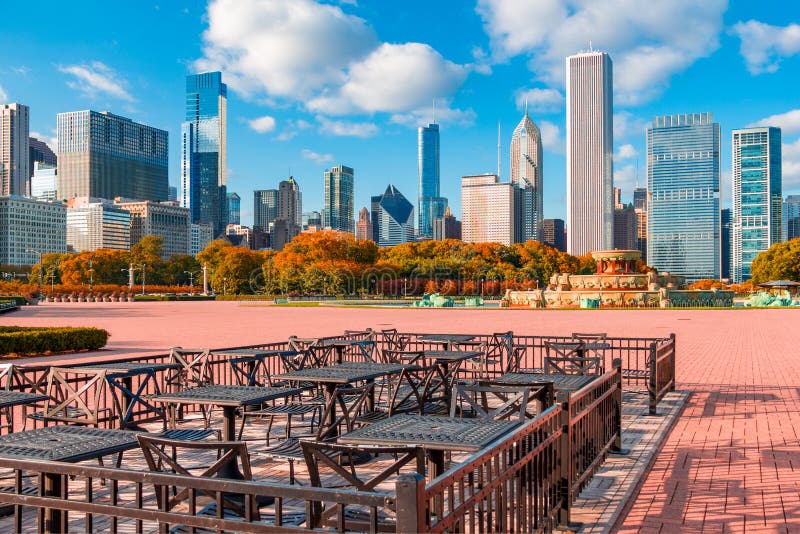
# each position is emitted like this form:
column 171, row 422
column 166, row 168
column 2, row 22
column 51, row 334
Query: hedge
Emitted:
column 19, row 300
column 40, row 340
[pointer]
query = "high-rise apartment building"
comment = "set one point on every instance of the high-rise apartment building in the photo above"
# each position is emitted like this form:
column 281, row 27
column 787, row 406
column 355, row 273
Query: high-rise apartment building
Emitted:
column 94, row 223
column 204, row 150
column 590, row 147
column 364, row 225
column 446, row 226
column 200, row 236
column 527, row 178
column 726, row 243
column 553, row 234
column 234, row 208
column 683, row 228
column 312, row 219
column 640, row 198
column 164, row 219
column 14, row 149
column 102, row 155
column 337, row 213
column 44, row 182
column 487, row 210
column 625, row 228
column 791, row 218
column 395, row 221
column 640, row 208
column 430, row 204
column 38, row 151
column 29, row 228
column 172, row 193
column 240, row 236
column 757, row 196
column 290, row 209
column 265, row 207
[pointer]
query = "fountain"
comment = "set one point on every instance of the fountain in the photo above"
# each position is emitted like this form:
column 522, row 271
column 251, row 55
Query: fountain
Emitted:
column 616, row 284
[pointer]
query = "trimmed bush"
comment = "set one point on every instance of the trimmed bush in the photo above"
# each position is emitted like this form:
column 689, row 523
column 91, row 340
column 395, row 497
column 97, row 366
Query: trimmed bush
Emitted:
column 243, row 297
column 40, row 340
column 19, row 300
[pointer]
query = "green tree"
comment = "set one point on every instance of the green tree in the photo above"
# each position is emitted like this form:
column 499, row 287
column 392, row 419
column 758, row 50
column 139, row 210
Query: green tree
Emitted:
column 174, row 271
column 780, row 262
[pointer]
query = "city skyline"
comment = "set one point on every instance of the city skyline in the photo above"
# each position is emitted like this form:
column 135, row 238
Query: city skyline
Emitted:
column 476, row 82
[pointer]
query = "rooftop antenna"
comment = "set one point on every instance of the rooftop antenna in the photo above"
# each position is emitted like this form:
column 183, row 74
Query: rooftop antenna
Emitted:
column 498, row 150
column 434, row 111
column 526, row 106
column 590, row 46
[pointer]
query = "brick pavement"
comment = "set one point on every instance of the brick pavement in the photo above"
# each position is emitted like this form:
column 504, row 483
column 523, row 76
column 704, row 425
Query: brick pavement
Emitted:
column 730, row 464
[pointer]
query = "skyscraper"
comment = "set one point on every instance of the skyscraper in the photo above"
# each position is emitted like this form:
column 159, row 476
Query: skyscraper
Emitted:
column 290, row 207
column 234, row 208
column 683, row 228
column 30, row 228
column 526, row 176
column 446, row 226
column 791, row 218
column 553, row 234
column 94, row 223
column 395, row 218
column 338, row 209
column 625, row 228
column 364, row 225
column 166, row 220
column 15, row 169
column 590, row 147
column 757, row 196
column 640, row 198
column 203, row 150
column 102, row 155
column 39, row 151
column 726, row 242
column 265, row 207
column 487, row 210
column 430, row 205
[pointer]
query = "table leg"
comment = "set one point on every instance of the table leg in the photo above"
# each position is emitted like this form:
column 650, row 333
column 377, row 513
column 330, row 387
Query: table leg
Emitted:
column 54, row 518
column 339, row 355
column 231, row 469
column 333, row 432
column 371, row 396
column 436, row 469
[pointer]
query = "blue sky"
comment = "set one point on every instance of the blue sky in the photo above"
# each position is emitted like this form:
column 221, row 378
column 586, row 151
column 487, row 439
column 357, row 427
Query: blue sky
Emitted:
column 315, row 84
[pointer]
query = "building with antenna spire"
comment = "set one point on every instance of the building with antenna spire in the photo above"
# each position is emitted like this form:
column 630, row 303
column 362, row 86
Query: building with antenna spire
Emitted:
column 527, row 179
column 430, row 205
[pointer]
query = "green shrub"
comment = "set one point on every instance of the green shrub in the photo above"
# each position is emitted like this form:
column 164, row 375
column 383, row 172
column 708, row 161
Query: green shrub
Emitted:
column 244, row 297
column 19, row 300
column 39, row 340
column 154, row 298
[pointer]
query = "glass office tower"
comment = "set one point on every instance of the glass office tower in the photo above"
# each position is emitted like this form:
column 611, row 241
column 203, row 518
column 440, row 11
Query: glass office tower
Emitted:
column 757, row 196
column 683, row 226
column 338, row 211
column 526, row 175
column 203, row 150
column 430, row 205
column 234, row 208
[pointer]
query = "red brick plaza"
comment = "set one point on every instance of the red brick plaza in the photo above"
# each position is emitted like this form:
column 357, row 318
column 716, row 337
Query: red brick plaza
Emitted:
column 731, row 463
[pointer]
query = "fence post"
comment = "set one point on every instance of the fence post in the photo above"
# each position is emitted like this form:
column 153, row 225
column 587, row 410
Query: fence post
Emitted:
column 565, row 450
column 653, row 389
column 674, row 356
column 410, row 503
column 617, row 365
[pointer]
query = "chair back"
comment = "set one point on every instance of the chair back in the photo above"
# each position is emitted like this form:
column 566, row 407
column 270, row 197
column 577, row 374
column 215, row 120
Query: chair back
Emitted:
column 192, row 368
column 491, row 403
column 347, row 402
column 501, row 347
column 253, row 370
column 341, row 460
column 368, row 333
column 392, row 340
column 572, row 362
column 155, row 450
column 7, row 376
column 590, row 337
column 74, row 395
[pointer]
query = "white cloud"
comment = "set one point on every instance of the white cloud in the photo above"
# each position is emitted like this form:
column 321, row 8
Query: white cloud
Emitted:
column 551, row 137
column 315, row 157
column 626, row 152
column 50, row 140
column 625, row 179
column 97, row 78
column 626, row 125
column 445, row 115
column 293, row 128
column 540, row 100
column 763, row 45
column 788, row 122
column 394, row 77
column 316, row 54
column 791, row 165
column 262, row 124
column 3, row 95
column 346, row 128
column 648, row 44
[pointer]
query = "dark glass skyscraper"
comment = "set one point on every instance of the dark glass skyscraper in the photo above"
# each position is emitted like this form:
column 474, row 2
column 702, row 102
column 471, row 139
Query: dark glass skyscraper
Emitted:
column 203, row 150
column 430, row 206
column 338, row 210
column 234, row 208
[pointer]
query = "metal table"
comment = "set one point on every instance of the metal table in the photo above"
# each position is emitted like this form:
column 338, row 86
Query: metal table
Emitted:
column 437, row 434
column 119, row 377
column 560, row 382
column 248, row 364
column 64, row 444
column 346, row 373
column 9, row 399
column 447, row 340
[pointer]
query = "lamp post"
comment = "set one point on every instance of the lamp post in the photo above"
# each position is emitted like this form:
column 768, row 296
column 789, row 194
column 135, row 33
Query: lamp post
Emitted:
column 144, row 267
column 130, row 270
column 224, row 285
column 52, row 283
column 91, row 278
column 191, row 281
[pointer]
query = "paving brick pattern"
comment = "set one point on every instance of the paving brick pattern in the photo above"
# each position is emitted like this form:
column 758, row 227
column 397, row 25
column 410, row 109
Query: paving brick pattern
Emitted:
column 730, row 464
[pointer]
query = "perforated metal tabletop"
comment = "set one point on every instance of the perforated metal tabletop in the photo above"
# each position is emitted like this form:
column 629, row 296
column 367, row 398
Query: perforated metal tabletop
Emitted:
column 66, row 443
column 16, row 398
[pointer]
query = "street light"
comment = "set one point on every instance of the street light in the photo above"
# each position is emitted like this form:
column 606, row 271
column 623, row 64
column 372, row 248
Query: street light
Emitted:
column 52, row 283
column 191, row 281
column 224, row 286
column 130, row 270
column 144, row 266
column 91, row 277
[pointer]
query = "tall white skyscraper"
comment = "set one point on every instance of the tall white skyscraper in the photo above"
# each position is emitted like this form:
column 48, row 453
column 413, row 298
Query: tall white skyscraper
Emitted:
column 487, row 209
column 590, row 147
column 14, row 149
column 526, row 175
